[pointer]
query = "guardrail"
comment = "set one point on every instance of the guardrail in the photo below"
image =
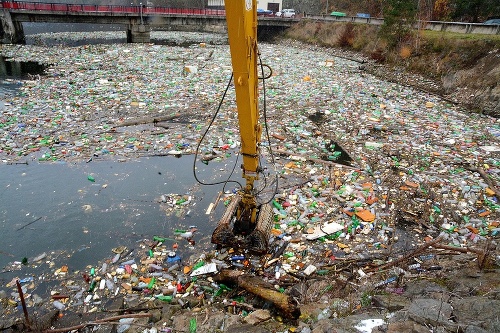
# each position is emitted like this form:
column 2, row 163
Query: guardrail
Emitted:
column 84, row 8
column 458, row 27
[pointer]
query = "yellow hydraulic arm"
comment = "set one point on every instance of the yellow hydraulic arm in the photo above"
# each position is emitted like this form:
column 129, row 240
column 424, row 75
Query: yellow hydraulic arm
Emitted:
column 241, row 18
column 252, row 221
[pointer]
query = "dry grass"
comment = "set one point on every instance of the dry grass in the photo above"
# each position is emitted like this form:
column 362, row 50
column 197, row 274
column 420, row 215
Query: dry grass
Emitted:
column 433, row 53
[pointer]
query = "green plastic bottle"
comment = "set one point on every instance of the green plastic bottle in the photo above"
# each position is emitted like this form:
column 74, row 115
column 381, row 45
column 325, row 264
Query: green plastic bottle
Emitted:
column 165, row 298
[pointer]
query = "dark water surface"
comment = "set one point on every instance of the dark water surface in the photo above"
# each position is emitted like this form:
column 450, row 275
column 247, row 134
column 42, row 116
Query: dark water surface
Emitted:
column 56, row 209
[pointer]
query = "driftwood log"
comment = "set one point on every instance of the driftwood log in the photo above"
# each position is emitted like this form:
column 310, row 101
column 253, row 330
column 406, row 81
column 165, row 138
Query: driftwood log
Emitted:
column 147, row 120
column 264, row 290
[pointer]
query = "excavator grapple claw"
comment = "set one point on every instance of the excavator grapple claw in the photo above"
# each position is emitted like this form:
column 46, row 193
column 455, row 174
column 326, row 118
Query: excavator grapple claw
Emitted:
column 223, row 234
column 256, row 241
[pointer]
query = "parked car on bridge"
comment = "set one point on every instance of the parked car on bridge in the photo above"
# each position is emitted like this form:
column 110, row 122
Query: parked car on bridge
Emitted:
column 338, row 14
column 287, row 13
column 264, row 12
column 492, row 21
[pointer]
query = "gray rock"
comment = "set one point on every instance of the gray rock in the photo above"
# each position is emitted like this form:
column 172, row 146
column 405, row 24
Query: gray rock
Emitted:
column 168, row 312
column 246, row 328
column 474, row 329
column 344, row 325
column 8, row 323
column 391, row 302
column 430, row 311
column 423, row 288
column 406, row 326
column 324, row 326
column 258, row 316
column 478, row 311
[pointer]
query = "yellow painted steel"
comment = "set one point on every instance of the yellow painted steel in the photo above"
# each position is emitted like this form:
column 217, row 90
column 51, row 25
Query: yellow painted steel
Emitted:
column 241, row 19
column 242, row 31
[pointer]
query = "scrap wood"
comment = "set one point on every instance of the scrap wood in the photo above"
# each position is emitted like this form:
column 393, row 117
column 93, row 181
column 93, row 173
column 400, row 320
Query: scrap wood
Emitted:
column 98, row 321
column 486, row 178
column 482, row 255
column 259, row 287
column 415, row 252
column 146, row 120
column 459, row 249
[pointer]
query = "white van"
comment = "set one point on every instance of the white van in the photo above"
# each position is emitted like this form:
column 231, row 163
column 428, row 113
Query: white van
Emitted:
column 288, row 13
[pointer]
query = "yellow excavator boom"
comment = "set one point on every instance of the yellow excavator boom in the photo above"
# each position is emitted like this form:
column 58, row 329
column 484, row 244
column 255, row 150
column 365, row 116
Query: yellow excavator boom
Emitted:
column 241, row 19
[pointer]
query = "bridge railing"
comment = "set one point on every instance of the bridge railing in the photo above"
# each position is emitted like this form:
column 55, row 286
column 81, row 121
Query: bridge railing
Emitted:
column 60, row 7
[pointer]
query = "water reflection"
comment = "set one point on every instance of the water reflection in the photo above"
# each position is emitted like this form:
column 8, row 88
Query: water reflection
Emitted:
column 20, row 69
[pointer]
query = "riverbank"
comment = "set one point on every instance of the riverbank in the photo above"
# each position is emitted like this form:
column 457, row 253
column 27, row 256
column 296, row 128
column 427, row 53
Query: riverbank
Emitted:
column 461, row 68
column 386, row 211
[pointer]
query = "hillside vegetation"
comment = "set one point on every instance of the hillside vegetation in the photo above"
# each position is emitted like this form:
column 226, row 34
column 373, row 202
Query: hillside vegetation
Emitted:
column 464, row 68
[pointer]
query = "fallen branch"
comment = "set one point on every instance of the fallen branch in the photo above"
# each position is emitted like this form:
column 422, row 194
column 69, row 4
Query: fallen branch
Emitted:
column 482, row 255
column 415, row 252
column 486, row 178
column 24, row 226
column 147, row 120
column 459, row 249
column 259, row 287
column 23, row 303
column 98, row 321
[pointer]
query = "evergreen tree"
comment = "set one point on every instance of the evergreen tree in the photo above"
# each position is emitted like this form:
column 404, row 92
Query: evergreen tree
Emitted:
column 399, row 19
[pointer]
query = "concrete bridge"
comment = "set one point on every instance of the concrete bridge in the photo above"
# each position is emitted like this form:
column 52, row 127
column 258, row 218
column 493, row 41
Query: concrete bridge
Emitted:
column 138, row 20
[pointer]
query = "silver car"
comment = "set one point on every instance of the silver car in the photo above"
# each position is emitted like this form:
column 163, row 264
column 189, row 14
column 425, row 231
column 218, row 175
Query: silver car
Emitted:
column 287, row 13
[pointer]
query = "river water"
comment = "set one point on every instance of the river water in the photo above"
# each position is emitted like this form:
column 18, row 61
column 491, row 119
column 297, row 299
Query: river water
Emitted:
column 75, row 214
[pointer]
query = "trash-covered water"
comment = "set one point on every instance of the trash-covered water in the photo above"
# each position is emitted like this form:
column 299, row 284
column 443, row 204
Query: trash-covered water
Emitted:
column 409, row 178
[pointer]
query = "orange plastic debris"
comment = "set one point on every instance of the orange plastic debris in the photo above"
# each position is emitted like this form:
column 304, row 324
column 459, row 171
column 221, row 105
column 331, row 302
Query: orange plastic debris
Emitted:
column 276, row 232
column 348, row 212
column 279, row 137
column 472, row 229
column 367, row 185
column 411, row 184
column 366, row 215
column 485, row 213
column 489, row 192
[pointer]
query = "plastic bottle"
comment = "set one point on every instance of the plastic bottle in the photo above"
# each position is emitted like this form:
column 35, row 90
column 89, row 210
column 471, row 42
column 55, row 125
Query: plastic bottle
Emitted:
column 165, row 298
column 92, row 286
column 173, row 259
column 102, row 284
column 109, row 284
column 325, row 314
column 58, row 305
column 151, row 283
